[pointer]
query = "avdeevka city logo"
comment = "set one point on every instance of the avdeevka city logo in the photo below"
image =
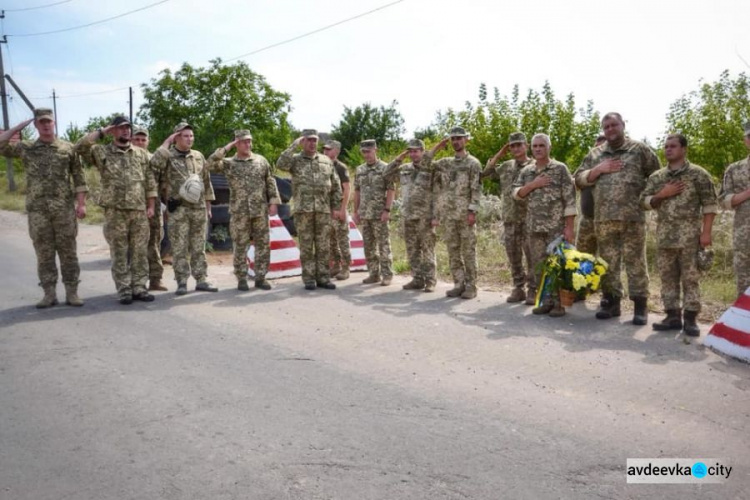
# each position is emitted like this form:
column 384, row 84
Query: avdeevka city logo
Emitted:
column 677, row 470
column 699, row 470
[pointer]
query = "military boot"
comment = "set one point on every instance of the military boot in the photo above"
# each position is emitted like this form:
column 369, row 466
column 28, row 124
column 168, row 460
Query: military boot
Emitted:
column 242, row 285
column 343, row 274
column 640, row 313
column 50, row 297
column 530, row 298
column 429, row 286
column 414, row 284
column 470, row 292
column 71, row 296
column 673, row 321
column 386, row 281
column 690, row 327
column 181, row 288
column 456, row 291
column 155, row 285
column 262, row 284
column 546, row 306
column 517, row 295
column 610, row 309
column 335, row 269
column 557, row 309
column 371, row 279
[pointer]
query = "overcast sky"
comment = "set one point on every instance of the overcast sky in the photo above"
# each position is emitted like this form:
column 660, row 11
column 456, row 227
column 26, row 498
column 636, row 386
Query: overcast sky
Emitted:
column 631, row 56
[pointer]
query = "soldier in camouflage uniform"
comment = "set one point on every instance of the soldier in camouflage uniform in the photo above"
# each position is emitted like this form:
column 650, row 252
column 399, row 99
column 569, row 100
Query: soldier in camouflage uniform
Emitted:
column 456, row 191
column 735, row 193
column 373, row 197
column 684, row 198
column 586, row 236
column 340, row 250
column 317, row 199
column 253, row 196
column 618, row 170
column 514, row 215
column 550, row 193
column 155, row 224
column 176, row 162
column 128, row 195
column 416, row 212
column 53, row 173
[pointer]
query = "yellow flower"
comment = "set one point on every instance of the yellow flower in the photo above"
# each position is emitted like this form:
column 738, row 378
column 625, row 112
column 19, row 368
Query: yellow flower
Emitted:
column 595, row 281
column 579, row 282
column 570, row 265
column 600, row 269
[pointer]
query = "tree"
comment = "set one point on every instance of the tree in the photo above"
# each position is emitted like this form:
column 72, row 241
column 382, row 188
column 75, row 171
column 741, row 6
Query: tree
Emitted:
column 711, row 118
column 216, row 101
column 384, row 124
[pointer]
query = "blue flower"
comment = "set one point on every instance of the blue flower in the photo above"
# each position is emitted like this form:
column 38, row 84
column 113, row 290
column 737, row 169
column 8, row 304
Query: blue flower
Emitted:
column 587, row 267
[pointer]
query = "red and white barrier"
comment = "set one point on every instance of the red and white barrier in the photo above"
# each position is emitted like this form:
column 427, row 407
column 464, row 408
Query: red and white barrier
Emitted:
column 731, row 334
column 357, row 248
column 284, row 253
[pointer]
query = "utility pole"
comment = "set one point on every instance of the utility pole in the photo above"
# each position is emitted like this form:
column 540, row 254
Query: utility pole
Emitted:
column 54, row 109
column 20, row 92
column 6, row 125
column 130, row 101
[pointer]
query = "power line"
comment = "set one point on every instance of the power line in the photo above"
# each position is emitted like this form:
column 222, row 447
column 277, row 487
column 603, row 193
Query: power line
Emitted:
column 37, row 7
column 93, row 23
column 324, row 28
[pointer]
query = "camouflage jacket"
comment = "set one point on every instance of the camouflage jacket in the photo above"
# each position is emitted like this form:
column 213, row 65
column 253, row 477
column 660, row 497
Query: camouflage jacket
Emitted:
column 174, row 167
column 736, row 180
column 548, row 206
column 53, row 173
column 341, row 170
column 506, row 174
column 126, row 177
column 251, row 185
column 372, row 184
column 681, row 216
column 617, row 195
column 456, row 188
column 315, row 184
column 416, row 188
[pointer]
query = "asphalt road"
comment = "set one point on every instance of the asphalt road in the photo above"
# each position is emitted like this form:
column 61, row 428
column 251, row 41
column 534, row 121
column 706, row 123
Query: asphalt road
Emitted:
column 367, row 392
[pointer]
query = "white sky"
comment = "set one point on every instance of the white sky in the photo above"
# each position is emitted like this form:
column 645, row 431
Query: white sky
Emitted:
column 632, row 56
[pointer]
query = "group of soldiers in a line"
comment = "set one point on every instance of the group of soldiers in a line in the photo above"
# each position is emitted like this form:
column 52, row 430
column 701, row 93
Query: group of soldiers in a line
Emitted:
column 619, row 180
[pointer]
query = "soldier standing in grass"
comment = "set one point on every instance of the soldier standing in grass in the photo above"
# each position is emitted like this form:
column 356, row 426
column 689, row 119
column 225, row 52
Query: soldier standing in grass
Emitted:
column 456, row 187
column 186, row 174
column 683, row 196
column 253, row 196
column 550, row 192
column 317, row 200
column 416, row 212
column 735, row 193
column 514, row 215
column 340, row 251
column 373, row 197
column 53, row 174
column 128, row 196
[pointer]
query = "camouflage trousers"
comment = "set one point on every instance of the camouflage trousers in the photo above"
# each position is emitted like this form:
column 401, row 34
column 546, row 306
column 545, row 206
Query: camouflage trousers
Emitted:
column 538, row 253
column 156, row 234
column 340, row 251
column 54, row 233
column 243, row 229
column 679, row 266
column 623, row 243
column 586, row 237
column 461, row 241
column 419, row 236
column 377, row 241
column 126, row 232
column 187, row 234
column 313, row 232
column 741, row 247
column 516, row 247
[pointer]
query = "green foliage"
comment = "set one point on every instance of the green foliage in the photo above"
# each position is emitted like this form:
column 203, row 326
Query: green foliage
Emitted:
column 216, row 101
column 73, row 133
column 384, row 124
column 711, row 118
column 490, row 122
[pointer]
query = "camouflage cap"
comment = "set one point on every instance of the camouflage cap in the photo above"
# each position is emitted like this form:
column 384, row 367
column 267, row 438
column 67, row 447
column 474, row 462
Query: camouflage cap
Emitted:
column 43, row 114
column 140, row 131
column 746, row 126
column 368, row 144
column 241, row 135
column 310, row 132
column 705, row 259
column 516, row 137
column 182, row 126
column 458, row 132
column 332, row 145
column 416, row 144
column 119, row 120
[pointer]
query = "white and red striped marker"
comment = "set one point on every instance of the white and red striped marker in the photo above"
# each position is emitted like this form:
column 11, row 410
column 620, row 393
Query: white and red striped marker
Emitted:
column 731, row 334
column 284, row 253
column 357, row 248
